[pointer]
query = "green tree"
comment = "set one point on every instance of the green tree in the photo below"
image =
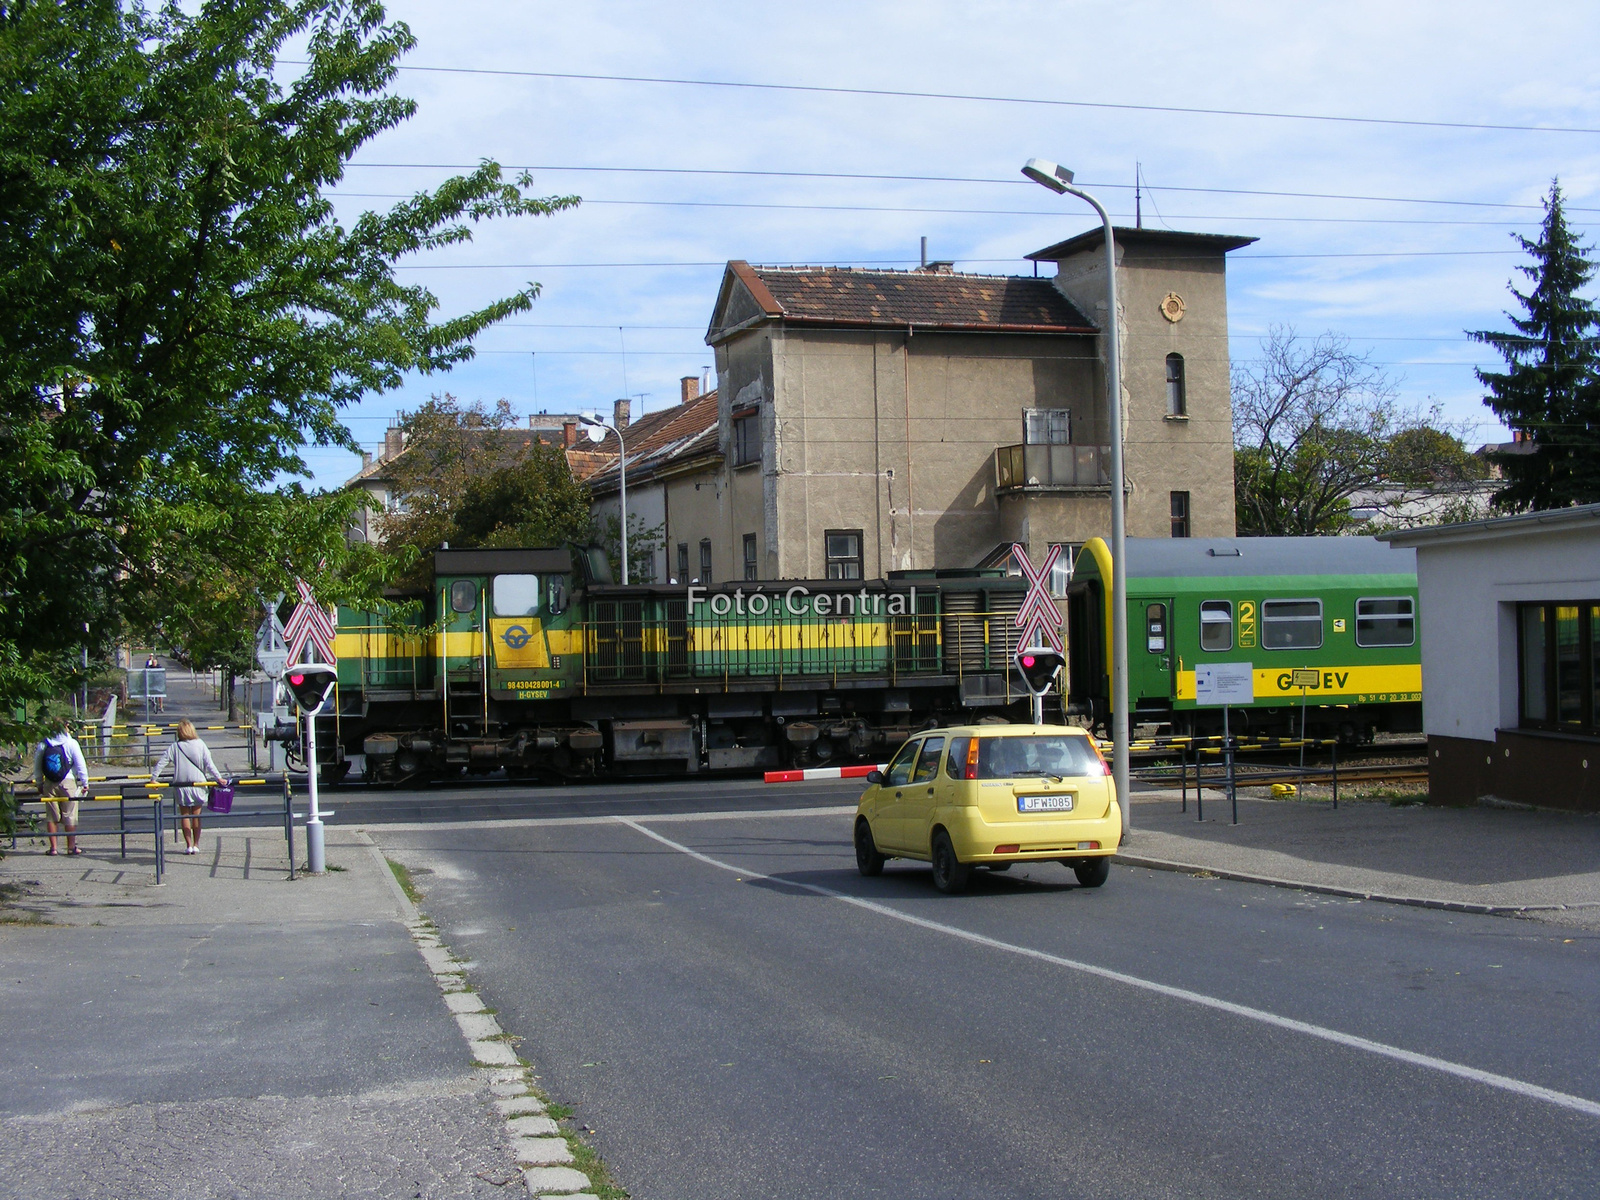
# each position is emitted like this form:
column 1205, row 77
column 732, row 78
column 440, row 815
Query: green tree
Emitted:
column 532, row 502
column 1550, row 389
column 180, row 308
column 1312, row 425
column 1427, row 456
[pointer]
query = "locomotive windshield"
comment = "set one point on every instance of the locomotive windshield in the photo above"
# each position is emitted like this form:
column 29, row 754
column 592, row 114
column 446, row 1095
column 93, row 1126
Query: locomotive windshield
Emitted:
column 516, row 595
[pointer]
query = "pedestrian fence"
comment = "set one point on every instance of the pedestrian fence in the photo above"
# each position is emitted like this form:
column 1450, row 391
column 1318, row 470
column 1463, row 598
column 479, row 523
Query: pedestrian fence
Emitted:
column 144, row 807
column 1195, row 754
column 137, row 743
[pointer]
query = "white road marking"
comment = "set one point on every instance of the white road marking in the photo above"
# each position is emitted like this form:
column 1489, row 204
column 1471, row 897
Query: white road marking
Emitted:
column 753, row 814
column 1489, row 1078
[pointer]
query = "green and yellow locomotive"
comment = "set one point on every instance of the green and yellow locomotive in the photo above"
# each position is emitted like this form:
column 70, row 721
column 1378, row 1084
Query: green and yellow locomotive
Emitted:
column 535, row 662
column 1328, row 626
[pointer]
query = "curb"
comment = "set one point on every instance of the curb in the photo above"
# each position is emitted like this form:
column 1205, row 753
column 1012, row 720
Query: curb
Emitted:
column 1328, row 889
column 536, row 1141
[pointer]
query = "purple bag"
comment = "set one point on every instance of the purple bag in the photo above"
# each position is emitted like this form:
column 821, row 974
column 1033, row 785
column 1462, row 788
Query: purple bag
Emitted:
column 221, row 798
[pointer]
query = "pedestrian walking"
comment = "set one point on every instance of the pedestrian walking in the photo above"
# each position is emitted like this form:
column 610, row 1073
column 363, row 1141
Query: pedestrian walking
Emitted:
column 191, row 765
column 154, row 664
column 61, row 776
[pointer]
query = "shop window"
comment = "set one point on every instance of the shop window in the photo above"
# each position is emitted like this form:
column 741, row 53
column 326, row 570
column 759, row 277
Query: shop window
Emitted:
column 842, row 548
column 1386, row 621
column 1291, row 624
column 1558, row 658
column 1216, row 625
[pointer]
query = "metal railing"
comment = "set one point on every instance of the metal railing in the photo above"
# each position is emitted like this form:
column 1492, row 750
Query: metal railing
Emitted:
column 1052, row 465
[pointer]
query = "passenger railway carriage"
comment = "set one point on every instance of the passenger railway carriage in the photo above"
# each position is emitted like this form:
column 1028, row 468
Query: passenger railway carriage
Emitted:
column 533, row 661
column 1328, row 626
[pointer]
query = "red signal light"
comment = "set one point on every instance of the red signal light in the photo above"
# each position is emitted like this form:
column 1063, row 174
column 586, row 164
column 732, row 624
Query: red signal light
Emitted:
column 296, row 680
column 1027, row 660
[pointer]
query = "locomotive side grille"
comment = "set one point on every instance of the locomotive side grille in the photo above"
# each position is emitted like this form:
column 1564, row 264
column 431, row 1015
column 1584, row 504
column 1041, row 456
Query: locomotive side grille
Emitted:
column 980, row 632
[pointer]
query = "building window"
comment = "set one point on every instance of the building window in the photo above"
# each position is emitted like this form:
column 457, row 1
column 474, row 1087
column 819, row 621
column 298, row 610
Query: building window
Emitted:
column 747, row 437
column 1047, row 426
column 843, row 550
column 705, row 560
column 1180, row 514
column 1559, row 665
column 1387, row 621
column 1216, row 625
column 683, row 563
column 1291, row 624
column 1177, row 402
column 750, row 556
column 644, row 570
column 1061, row 573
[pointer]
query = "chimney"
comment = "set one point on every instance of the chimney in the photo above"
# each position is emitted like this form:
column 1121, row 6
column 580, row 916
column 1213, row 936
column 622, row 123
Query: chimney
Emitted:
column 619, row 412
column 366, row 460
column 688, row 388
column 394, row 441
column 569, row 433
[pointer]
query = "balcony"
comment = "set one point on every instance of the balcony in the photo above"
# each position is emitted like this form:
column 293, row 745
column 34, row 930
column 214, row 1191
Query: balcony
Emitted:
column 1036, row 467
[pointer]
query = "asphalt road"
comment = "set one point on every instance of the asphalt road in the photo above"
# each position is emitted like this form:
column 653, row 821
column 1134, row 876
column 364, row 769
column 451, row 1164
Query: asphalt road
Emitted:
column 745, row 1030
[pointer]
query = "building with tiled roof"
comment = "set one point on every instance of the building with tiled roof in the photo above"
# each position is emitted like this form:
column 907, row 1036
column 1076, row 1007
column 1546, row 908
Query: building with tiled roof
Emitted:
column 871, row 421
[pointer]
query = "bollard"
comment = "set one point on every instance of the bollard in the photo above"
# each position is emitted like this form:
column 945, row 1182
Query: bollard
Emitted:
column 122, row 822
column 161, row 851
column 288, row 819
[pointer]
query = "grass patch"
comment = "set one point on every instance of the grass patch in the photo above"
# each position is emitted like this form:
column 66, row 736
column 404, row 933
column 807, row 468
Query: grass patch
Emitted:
column 1398, row 797
column 403, row 878
column 557, row 1112
column 586, row 1160
column 332, row 867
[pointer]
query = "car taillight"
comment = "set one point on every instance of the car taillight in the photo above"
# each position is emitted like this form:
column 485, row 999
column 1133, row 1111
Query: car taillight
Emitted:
column 972, row 760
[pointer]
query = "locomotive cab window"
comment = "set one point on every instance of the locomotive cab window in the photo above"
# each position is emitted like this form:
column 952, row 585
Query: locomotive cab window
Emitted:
column 516, row 595
column 1216, row 625
column 463, row 596
column 1155, row 628
column 558, row 596
column 1386, row 621
column 1291, row 624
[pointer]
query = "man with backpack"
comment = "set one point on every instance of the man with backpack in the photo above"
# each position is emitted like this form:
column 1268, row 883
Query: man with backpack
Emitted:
column 62, row 776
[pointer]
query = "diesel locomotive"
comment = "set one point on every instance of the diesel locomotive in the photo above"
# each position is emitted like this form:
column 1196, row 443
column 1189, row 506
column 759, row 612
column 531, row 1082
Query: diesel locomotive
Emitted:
column 535, row 662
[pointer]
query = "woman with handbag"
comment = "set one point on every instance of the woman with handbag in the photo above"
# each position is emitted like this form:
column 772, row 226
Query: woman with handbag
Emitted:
column 191, row 765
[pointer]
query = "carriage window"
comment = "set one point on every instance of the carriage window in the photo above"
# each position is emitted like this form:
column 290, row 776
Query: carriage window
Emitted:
column 516, row 595
column 1389, row 621
column 928, row 763
column 1291, row 624
column 463, row 596
column 1216, row 625
column 1155, row 628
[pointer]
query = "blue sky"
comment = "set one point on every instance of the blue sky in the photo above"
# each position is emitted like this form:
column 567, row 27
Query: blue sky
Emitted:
column 1423, row 254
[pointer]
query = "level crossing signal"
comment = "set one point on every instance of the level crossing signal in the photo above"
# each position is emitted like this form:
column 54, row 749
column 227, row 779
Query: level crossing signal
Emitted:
column 1039, row 666
column 310, row 684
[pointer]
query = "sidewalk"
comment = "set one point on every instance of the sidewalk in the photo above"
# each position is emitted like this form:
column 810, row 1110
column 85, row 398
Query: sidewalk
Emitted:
column 231, row 1033
column 1512, row 862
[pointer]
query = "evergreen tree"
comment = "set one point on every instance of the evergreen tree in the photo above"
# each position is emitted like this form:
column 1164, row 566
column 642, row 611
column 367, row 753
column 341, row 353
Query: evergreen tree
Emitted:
column 1550, row 390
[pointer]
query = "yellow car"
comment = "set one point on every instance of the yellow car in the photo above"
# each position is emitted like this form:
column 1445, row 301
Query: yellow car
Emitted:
column 991, row 795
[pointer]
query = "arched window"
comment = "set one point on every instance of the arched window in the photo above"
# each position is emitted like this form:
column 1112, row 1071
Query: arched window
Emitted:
column 1177, row 405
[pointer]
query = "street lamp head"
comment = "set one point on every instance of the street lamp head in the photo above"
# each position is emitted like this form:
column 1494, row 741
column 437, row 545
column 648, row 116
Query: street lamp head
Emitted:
column 1049, row 174
column 590, row 418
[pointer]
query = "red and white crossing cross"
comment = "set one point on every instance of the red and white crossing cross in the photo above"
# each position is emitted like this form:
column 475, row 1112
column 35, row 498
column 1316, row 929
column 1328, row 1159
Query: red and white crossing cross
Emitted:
column 1038, row 616
column 312, row 623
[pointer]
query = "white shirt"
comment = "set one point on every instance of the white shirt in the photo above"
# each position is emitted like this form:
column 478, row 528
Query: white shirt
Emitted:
column 74, row 753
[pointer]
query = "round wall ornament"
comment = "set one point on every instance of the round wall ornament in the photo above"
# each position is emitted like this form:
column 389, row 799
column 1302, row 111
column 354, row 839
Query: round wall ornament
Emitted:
column 1172, row 307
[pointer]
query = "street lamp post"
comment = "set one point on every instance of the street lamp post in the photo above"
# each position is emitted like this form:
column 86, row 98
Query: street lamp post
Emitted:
column 1058, row 179
column 595, row 428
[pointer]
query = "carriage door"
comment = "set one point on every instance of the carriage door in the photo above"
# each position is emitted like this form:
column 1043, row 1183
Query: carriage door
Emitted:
column 461, row 646
column 1159, row 652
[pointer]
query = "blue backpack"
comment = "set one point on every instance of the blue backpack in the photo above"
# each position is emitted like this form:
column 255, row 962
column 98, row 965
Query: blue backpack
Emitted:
column 55, row 764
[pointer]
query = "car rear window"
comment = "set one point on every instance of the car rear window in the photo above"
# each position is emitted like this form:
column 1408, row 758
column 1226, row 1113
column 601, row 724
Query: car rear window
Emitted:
column 1035, row 755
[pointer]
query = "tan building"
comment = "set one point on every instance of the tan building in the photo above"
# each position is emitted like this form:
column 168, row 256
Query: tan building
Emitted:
column 876, row 421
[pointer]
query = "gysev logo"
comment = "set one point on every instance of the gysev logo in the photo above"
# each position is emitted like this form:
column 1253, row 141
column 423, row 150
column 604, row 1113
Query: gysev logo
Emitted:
column 518, row 643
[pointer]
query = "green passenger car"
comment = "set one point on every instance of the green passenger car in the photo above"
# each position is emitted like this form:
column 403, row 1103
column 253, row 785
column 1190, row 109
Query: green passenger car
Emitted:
column 1329, row 627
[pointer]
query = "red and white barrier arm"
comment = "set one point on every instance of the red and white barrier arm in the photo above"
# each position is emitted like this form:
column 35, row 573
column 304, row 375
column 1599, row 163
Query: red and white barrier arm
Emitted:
column 822, row 773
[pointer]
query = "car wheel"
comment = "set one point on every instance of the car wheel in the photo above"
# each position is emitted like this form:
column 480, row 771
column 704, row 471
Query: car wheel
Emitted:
column 1092, row 872
column 950, row 874
column 868, row 861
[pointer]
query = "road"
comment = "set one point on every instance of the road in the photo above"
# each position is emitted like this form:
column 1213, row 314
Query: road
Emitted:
column 738, row 1014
